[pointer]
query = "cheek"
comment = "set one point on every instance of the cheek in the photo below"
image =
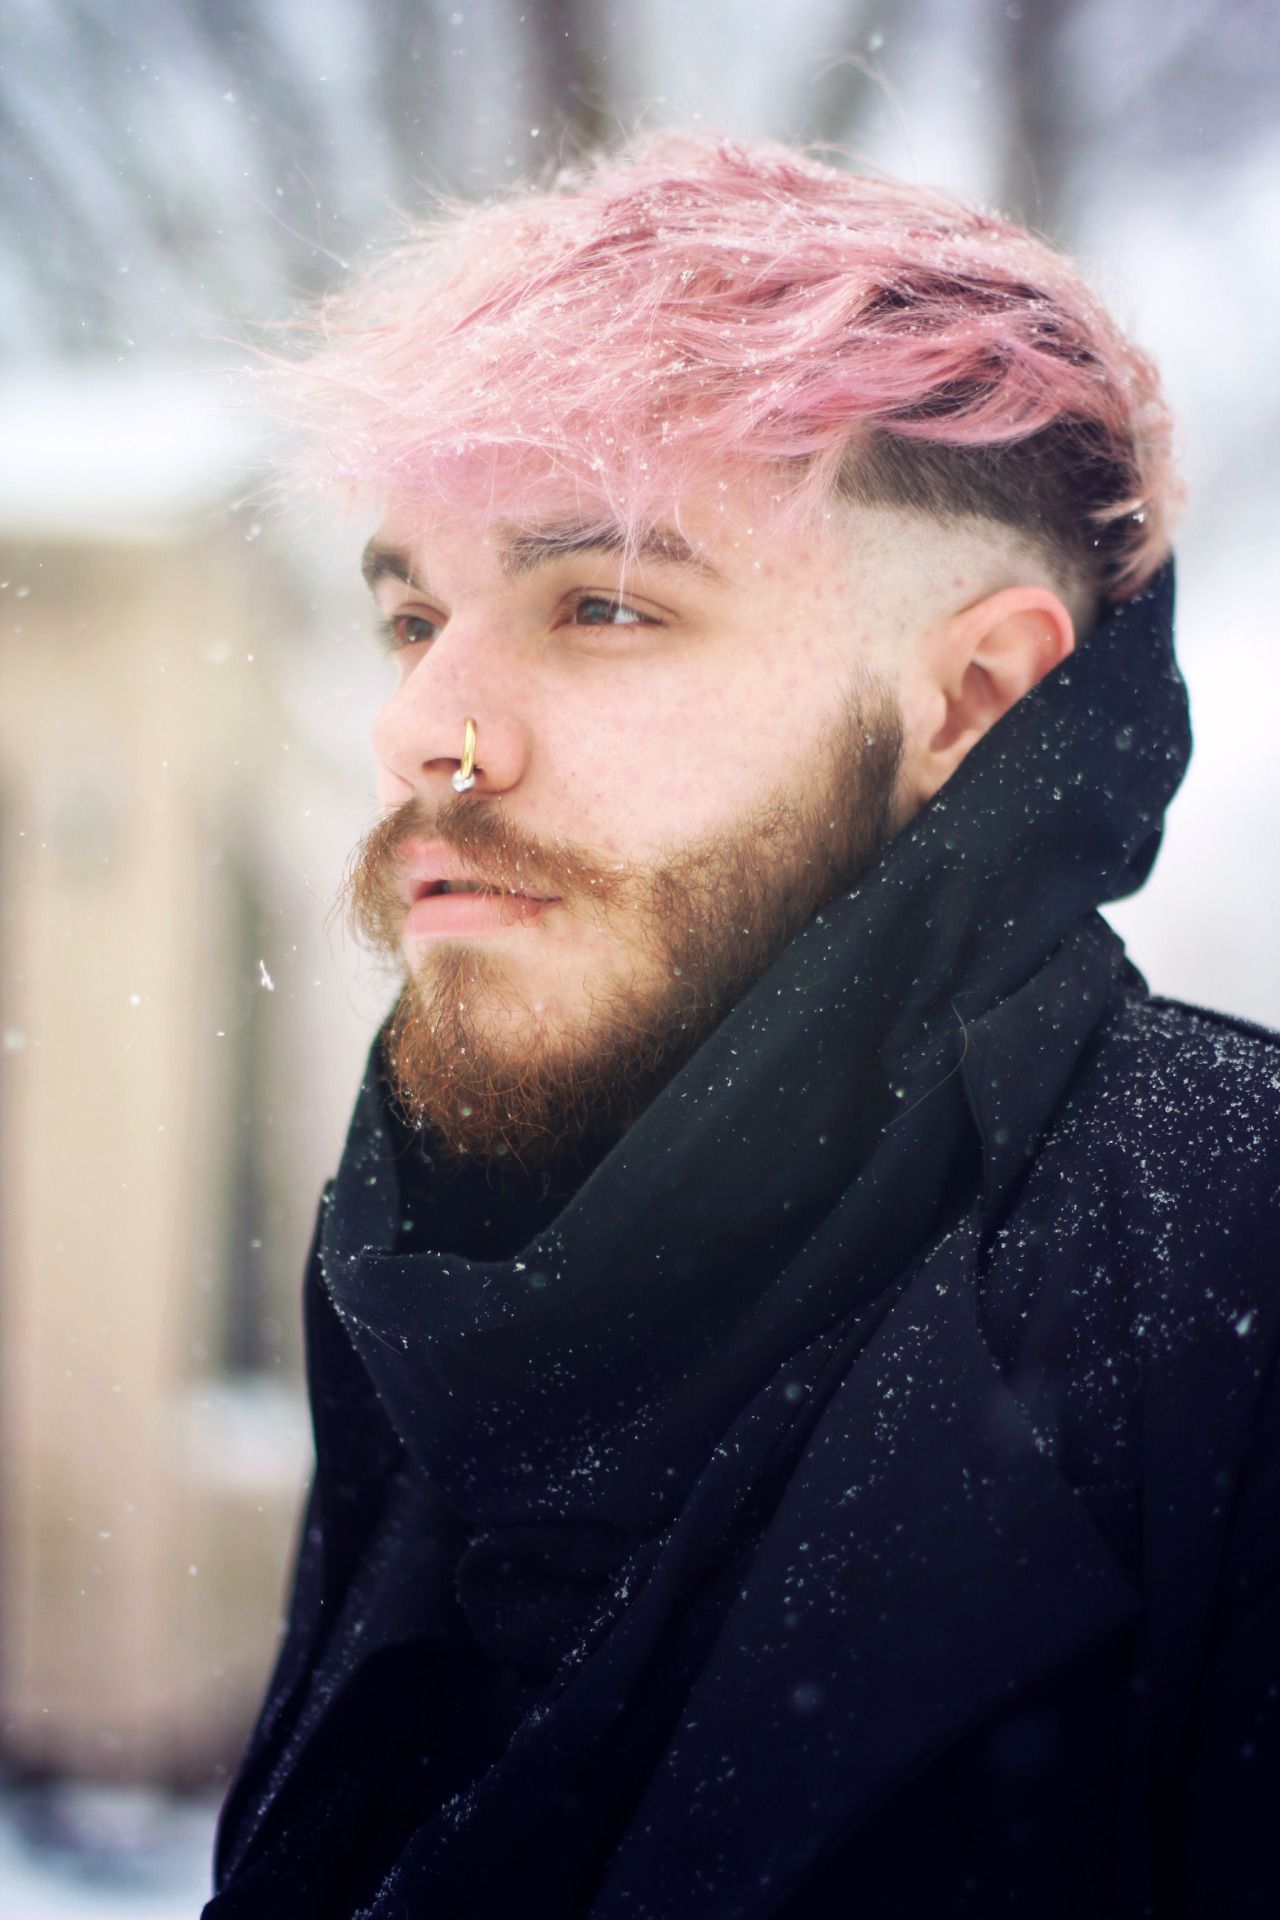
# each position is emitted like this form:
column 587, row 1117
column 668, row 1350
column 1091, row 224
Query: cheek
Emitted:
column 646, row 756
column 633, row 768
column 663, row 773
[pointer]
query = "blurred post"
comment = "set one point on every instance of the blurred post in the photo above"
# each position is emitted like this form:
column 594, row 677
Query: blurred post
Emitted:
column 152, row 1456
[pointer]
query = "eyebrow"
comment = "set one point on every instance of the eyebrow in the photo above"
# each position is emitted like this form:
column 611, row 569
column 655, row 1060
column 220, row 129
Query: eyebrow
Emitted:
column 379, row 562
column 526, row 549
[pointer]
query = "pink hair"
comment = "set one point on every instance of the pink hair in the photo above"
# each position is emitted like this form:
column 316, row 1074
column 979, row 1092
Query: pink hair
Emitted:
column 696, row 307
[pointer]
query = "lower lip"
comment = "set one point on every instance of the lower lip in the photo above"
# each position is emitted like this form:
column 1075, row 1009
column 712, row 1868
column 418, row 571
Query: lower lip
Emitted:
column 471, row 913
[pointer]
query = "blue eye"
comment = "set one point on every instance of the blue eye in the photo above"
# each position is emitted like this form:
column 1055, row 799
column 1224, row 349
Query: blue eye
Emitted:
column 600, row 610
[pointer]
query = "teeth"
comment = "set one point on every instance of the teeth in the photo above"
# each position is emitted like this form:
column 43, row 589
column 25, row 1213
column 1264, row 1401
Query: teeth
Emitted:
column 478, row 886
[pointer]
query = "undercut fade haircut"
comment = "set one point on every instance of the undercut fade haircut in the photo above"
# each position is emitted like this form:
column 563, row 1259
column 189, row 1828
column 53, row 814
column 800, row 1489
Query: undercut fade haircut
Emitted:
column 658, row 322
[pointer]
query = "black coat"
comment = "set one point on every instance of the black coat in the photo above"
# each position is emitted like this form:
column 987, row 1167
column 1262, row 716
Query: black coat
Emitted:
column 860, row 1494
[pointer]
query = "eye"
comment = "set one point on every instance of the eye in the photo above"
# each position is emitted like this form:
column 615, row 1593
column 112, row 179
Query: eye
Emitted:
column 603, row 610
column 407, row 630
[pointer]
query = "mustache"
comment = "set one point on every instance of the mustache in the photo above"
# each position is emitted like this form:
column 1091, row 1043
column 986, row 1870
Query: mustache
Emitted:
column 496, row 850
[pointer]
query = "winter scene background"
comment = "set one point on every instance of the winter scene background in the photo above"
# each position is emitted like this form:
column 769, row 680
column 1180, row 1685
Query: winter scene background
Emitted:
column 188, row 680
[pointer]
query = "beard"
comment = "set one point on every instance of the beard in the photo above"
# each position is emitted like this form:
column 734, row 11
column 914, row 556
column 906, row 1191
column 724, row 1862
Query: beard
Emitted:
column 473, row 1065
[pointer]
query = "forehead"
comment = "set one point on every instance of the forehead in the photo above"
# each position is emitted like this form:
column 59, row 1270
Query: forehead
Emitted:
column 714, row 540
column 518, row 549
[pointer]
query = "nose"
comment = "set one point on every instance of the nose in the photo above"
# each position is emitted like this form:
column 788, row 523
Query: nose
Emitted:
column 420, row 737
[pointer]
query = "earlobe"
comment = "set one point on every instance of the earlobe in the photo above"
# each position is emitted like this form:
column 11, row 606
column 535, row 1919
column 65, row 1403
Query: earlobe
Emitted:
column 982, row 661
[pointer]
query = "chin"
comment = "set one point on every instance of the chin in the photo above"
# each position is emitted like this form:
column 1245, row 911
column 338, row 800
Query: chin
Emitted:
column 515, row 1009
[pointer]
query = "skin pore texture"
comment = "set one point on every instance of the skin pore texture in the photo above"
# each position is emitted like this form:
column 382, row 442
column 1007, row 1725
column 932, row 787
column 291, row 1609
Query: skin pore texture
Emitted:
column 684, row 749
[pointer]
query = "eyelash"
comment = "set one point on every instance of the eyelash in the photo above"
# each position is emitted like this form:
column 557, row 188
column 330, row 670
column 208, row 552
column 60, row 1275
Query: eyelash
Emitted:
column 391, row 633
column 394, row 637
column 615, row 605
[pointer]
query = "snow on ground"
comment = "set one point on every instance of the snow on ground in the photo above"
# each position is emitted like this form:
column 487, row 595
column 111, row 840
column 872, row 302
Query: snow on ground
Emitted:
column 94, row 450
column 83, row 1853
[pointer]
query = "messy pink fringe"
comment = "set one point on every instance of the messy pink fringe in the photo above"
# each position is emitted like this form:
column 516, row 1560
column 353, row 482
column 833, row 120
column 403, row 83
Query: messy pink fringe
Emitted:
column 656, row 320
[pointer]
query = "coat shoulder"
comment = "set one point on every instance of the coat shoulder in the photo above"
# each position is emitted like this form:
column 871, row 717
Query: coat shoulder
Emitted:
column 1143, row 1240
column 1176, row 1108
column 1199, row 1045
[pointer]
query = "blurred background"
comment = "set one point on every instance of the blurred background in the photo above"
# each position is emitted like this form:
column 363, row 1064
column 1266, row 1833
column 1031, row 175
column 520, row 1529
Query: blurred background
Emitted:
column 188, row 679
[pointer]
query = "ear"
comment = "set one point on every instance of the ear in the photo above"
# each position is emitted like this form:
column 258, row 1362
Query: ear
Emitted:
column 971, row 669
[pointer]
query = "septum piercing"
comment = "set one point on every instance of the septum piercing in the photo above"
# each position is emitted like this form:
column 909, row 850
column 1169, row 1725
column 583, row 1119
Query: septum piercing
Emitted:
column 465, row 778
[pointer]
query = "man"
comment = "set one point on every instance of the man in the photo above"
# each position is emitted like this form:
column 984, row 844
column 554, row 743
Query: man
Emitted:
column 792, row 1335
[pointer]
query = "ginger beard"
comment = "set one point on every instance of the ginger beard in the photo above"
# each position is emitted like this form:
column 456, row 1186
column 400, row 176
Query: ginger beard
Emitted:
column 486, row 1073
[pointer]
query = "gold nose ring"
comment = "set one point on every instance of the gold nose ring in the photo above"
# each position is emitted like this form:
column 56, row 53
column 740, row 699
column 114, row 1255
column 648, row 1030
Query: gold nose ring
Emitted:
column 465, row 778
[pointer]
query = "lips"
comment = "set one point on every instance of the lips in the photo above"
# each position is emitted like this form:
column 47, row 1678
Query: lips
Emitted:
column 429, row 889
column 429, row 869
column 444, row 895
